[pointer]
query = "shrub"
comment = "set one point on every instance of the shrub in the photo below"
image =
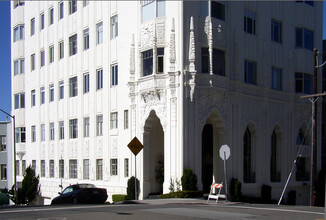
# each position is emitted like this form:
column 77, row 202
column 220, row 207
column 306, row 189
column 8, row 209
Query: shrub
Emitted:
column 4, row 199
column 235, row 190
column 189, row 180
column 182, row 194
column 131, row 188
column 119, row 198
column 292, row 197
column 266, row 193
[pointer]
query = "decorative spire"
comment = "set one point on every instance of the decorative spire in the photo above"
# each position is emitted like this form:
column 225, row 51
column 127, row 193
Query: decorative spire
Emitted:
column 172, row 47
column 210, row 47
column 192, row 46
column 154, row 50
column 132, row 55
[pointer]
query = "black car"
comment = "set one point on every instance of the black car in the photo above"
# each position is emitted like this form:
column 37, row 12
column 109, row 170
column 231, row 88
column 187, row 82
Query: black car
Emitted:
column 81, row 193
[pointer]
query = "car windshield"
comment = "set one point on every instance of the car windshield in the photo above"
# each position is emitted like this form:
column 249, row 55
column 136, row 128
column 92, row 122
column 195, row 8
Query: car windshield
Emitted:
column 67, row 190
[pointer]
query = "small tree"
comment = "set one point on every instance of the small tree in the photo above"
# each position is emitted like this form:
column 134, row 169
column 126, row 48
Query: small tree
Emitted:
column 131, row 188
column 189, row 180
column 30, row 187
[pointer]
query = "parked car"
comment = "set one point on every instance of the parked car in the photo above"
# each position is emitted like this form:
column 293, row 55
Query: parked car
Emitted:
column 81, row 193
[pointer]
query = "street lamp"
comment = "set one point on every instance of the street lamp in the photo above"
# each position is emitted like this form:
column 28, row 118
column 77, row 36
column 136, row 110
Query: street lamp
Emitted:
column 14, row 128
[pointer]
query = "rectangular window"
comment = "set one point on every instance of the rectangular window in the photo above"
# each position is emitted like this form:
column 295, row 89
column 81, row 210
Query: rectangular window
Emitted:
column 99, row 125
column 86, row 127
column 19, row 33
column 42, row 168
column 147, row 62
column 34, row 165
column 19, row 66
column 51, row 93
column 72, row 6
column 99, row 33
column 99, row 79
column 20, row 135
column 73, row 128
column 61, row 169
column 85, row 3
column 217, row 10
column 114, row 120
column 218, row 61
column 86, row 169
column 303, row 83
column 3, row 171
column 61, row 130
column 18, row 3
column 61, row 50
column 33, row 99
column 3, row 142
column 250, row 75
column 73, row 169
column 32, row 26
column 276, row 78
column 114, row 26
column 152, row 9
column 19, row 100
column 61, row 10
column 250, row 22
column 51, row 54
column 73, row 45
column 51, row 168
column 276, row 31
column 73, row 87
column 42, row 95
column 32, row 62
column 114, row 75
column 86, row 39
column 33, row 133
column 126, row 119
column 42, row 21
column 42, row 55
column 17, row 168
column 24, row 167
column 114, row 167
column 52, row 131
column 160, row 60
column 99, row 169
column 86, row 83
column 51, row 18
column 61, row 90
column 126, row 165
column 42, row 132
column 16, row 67
column 304, row 38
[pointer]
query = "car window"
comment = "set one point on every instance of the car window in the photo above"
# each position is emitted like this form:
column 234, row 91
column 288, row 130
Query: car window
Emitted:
column 67, row 190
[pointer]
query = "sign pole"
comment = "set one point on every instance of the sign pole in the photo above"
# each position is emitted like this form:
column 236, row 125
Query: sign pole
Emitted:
column 135, row 179
column 226, row 182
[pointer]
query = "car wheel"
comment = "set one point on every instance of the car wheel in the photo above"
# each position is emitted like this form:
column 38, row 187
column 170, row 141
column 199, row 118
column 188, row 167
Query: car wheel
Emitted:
column 75, row 201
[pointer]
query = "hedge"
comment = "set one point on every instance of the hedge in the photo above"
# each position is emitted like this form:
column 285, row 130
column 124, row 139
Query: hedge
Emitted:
column 119, row 198
column 182, row 194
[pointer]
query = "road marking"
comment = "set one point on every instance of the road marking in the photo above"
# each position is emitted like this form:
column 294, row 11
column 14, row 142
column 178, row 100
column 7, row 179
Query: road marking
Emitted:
column 273, row 209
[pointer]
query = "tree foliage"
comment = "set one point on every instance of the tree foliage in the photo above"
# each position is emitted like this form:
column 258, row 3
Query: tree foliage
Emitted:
column 30, row 187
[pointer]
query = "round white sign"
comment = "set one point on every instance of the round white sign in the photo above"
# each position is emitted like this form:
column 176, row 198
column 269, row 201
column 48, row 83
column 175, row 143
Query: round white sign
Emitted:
column 225, row 152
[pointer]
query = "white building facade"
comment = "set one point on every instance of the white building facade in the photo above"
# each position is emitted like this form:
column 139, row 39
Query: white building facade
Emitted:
column 6, row 156
column 185, row 77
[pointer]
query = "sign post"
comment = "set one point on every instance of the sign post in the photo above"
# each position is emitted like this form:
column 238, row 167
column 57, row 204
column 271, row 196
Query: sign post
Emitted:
column 225, row 154
column 135, row 146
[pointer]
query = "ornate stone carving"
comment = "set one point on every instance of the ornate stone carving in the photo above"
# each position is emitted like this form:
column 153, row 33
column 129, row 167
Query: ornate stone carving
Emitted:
column 148, row 31
column 132, row 55
column 86, row 148
column 192, row 68
column 51, row 151
column 172, row 47
column 99, row 149
column 114, row 149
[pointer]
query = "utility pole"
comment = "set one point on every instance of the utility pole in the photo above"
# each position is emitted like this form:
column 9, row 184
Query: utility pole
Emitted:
column 313, row 98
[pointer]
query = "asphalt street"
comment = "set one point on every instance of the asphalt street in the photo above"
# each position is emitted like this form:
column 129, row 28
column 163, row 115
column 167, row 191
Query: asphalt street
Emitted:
column 164, row 209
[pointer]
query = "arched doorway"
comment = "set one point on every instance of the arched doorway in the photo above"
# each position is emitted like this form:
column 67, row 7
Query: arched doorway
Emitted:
column 207, row 157
column 153, row 155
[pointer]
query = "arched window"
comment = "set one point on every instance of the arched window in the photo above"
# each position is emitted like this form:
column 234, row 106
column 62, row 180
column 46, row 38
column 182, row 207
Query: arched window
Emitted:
column 275, row 158
column 248, row 171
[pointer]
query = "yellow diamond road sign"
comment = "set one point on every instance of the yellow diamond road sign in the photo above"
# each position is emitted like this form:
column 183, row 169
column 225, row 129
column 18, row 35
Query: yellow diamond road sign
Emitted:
column 135, row 146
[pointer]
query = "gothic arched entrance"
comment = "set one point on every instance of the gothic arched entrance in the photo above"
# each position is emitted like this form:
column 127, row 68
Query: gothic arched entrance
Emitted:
column 153, row 155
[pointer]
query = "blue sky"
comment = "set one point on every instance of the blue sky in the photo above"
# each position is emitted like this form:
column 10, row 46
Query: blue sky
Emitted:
column 5, row 67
